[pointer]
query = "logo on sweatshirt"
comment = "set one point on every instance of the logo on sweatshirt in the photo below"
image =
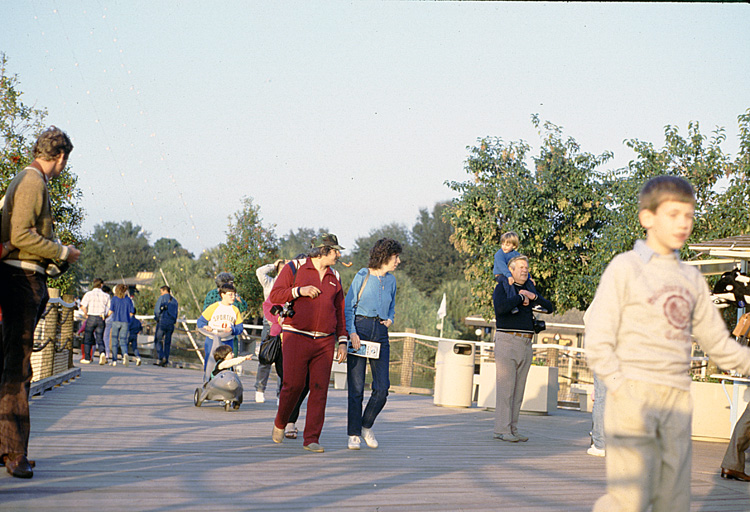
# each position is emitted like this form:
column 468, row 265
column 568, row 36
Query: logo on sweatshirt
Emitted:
column 677, row 311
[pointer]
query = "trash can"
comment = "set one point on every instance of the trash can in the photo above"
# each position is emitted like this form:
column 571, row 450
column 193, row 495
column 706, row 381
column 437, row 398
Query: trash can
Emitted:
column 454, row 374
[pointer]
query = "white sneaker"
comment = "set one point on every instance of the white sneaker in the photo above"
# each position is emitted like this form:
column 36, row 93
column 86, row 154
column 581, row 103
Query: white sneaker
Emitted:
column 125, row 361
column 85, row 361
column 102, row 358
column 137, row 361
column 369, row 437
column 596, row 452
column 354, row 443
column 260, row 397
column 114, row 363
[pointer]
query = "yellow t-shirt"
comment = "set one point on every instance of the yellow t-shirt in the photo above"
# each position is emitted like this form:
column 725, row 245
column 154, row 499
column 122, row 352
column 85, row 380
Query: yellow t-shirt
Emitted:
column 221, row 317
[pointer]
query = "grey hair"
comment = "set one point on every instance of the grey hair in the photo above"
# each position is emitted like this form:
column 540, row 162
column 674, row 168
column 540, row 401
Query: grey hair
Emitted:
column 223, row 278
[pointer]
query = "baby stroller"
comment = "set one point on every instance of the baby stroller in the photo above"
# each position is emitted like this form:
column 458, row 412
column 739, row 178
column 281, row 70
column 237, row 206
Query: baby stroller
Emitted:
column 223, row 387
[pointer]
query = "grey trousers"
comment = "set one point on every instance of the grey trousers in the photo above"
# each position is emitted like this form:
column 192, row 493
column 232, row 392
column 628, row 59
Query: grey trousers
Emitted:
column 513, row 356
column 734, row 458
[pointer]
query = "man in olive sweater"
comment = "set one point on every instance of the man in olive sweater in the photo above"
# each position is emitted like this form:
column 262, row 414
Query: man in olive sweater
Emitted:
column 27, row 229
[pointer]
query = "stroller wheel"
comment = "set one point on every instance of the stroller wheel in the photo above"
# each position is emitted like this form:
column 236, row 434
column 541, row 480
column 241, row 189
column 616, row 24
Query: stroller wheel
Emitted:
column 235, row 405
column 227, row 406
column 197, row 397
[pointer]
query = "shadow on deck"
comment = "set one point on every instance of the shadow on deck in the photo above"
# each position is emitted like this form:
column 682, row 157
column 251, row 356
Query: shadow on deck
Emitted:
column 130, row 439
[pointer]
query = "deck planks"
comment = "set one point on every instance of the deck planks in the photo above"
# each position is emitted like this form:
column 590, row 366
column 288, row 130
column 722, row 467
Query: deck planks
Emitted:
column 130, row 439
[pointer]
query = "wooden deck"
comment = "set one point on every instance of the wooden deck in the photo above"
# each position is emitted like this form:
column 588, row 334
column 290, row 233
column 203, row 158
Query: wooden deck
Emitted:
column 130, row 439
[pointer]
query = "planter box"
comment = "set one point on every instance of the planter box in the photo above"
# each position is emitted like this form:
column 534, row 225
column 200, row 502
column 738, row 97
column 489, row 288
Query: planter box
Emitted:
column 540, row 395
column 711, row 412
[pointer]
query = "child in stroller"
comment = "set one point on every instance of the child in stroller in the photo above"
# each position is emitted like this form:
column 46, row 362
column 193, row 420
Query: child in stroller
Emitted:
column 222, row 384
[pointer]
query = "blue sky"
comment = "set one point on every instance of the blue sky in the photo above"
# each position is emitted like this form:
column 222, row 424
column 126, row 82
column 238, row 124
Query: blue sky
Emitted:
column 351, row 115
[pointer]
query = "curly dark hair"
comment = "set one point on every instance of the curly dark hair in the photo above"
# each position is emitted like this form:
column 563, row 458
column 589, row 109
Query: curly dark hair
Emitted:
column 382, row 251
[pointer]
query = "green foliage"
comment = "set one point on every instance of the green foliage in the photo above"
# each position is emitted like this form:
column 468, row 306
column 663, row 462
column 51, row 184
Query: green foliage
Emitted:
column 720, row 212
column 430, row 259
column 19, row 127
column 573, row 218
column 117, row 251
column 556, row 211
column 249, row 245
column 190, row 281
column 168, row 248
column 297, row 242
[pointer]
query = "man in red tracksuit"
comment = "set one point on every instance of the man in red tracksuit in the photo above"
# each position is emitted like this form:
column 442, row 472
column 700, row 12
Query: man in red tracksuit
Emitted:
column 309, row 336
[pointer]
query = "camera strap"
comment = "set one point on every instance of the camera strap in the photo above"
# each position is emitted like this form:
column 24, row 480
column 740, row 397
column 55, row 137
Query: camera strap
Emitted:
column 359, row 295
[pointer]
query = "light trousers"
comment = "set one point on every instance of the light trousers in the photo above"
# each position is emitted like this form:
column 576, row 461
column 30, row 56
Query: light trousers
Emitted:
column 513, row 357
column 649, row 450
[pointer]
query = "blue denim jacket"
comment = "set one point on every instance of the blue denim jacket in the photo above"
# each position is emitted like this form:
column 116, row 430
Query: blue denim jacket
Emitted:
column 378, row 298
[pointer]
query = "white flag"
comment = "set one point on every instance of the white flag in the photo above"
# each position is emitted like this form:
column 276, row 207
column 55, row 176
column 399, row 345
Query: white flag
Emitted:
column 443, row 309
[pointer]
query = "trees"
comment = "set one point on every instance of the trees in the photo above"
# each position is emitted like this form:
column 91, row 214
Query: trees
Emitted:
column 297, row 242
column 117, row 250
column 19, row 127
column 168, row 248
column 556, row 211
column 431, row 259
column 249, row 245
column 573, row 217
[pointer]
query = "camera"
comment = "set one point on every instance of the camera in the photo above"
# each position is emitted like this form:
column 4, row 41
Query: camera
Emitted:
column 285, row 311
column 57, row 268
column 539, row 325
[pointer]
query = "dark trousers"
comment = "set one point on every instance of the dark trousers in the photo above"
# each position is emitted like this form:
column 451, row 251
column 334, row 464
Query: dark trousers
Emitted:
column 369, row 329
column 23, row 297
column 163, row 341
column 94, row 333
column 279, row 365
column 305, row 358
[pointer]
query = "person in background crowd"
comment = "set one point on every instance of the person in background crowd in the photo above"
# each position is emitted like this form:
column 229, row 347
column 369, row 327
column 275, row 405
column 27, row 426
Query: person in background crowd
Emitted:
column 94, row 304
column 165, row 313
column 134, row 327
column 267, row 276
column 121, row 310
column 213, row 296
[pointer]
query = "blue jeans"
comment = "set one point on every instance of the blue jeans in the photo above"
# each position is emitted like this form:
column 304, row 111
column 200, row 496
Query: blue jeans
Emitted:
column 163, row 341
column 208, row 346
column 94, row 334
column 597, row 413
column 107, row 337
column 133, row 341
column 264, row 370
column 369, row 329
column 119, row 338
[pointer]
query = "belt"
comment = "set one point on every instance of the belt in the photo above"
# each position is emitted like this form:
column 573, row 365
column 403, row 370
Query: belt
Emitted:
column 526, row 335
column 26, row 265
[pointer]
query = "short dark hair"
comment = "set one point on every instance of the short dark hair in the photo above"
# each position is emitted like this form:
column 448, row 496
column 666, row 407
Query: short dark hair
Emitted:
column 317, row 252
column 382, row 251
column 221, row 352
column 50, row 143
column 665, row 188
column 97, row 283
column 166, row 288
column 226, row 288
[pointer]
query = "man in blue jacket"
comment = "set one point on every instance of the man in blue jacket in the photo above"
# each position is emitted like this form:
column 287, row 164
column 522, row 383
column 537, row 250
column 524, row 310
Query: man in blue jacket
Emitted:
column 165, row 313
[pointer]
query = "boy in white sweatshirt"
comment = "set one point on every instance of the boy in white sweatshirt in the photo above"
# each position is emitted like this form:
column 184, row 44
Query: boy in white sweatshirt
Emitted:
column 638, row 339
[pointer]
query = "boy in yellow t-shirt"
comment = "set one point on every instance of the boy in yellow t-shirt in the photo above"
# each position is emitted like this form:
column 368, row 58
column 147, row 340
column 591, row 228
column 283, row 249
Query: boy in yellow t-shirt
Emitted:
column 222, row 319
